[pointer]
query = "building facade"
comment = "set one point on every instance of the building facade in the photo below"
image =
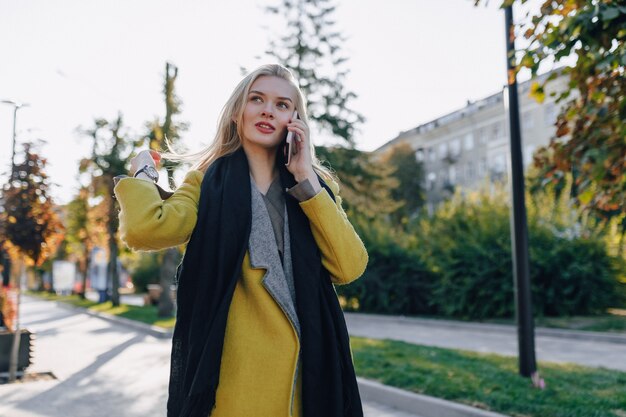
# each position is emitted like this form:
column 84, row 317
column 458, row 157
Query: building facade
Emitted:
column 470, row 147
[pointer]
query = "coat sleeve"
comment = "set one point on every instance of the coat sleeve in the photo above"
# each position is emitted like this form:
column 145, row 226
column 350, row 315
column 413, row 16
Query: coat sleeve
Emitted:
column 343, row 253
column 149, row 223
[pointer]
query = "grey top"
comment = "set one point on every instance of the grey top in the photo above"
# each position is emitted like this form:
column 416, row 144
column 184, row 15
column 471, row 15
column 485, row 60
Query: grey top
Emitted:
column 274, row 200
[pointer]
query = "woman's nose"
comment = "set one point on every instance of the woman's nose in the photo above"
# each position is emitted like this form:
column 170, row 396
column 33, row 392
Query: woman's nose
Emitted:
column 267, row 111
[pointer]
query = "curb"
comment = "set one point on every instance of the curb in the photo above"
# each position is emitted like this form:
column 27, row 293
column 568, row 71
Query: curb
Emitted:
column 496, row 328
column 422, row 405
column 155, row 331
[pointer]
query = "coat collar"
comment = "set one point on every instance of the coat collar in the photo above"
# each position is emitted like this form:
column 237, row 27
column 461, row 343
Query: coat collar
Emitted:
column 278, row 279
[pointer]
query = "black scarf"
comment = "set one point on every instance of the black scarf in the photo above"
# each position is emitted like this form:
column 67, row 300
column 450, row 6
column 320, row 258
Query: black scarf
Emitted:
column 206, row 282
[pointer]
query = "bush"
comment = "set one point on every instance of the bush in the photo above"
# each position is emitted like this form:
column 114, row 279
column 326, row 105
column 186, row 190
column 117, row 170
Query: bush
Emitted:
column 458, row 263
column 396, row 281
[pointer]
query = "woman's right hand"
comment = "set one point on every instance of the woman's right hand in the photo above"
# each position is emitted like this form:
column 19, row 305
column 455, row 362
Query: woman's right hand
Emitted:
column 145, row 157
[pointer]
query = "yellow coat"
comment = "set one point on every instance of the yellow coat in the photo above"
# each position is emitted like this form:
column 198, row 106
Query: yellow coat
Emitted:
column 260, row 345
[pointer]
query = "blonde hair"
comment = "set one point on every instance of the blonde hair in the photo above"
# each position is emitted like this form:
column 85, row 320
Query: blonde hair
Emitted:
column 228, row 137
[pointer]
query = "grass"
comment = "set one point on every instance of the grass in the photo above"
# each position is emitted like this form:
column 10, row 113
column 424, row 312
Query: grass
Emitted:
column 144, row 314
column 486, row 381
column 491, row 381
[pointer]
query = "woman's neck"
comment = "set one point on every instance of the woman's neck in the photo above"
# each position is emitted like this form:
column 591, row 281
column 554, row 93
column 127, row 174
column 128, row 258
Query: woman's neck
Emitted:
column 262, row 164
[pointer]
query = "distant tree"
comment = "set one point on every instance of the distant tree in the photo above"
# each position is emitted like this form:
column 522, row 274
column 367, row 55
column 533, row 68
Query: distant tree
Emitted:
column 161, row 135
column 589, row 142
column 310, row 46
column 29, row 218
column 111, row 153
column 78, row 237
column 366, row 185
column 410, row 175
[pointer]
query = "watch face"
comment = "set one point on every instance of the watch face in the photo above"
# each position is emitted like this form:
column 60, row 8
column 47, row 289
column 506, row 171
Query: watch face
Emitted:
column 152, row 173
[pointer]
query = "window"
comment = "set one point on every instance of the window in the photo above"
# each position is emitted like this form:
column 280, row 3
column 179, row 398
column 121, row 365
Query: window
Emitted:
column 497, row 131
column 452, row 174
column 469, row 170
column 432, row 157
column 443, row 150
column 482, row 167
column 455, row 147
column 498, row 164
column 468, row 142
column 419, row 155
column 431, row 179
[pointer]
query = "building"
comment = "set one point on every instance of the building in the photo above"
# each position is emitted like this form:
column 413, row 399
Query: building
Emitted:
column 471, row 146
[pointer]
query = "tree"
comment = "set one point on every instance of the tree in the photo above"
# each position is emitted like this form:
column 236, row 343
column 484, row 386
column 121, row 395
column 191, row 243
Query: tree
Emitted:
column 160, row 136
column 30, row 223
column 410, row 175
column 366, row 185
column 29, row 218
column 81, row 233
column 589, row 142
column 111, row 152
column 310, row 47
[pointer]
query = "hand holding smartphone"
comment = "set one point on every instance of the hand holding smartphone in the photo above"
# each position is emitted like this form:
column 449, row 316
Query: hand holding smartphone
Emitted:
column 290, row 148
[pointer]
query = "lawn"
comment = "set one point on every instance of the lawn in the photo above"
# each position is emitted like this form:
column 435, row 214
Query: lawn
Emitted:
column 491, row 381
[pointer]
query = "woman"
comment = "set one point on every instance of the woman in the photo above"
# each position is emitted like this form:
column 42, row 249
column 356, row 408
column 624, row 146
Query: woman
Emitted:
column 259, row 330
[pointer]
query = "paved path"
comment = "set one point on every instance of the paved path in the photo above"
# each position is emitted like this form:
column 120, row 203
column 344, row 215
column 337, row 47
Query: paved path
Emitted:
column 472, row 337
column 103, row 369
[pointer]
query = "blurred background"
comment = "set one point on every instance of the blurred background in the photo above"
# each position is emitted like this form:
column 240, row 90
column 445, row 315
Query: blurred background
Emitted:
column 409, row 105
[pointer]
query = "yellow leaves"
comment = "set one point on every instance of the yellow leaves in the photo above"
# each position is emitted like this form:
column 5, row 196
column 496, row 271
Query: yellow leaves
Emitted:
column 537, row 92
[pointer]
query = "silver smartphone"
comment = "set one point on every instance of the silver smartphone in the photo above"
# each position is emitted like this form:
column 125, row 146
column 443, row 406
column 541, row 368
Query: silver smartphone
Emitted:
column 290, row 148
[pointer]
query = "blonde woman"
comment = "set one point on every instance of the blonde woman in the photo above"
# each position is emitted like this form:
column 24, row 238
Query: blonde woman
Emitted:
column 259, row 330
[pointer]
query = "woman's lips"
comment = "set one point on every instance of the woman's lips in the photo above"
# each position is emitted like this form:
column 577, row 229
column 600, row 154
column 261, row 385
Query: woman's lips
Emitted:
column 265, row 127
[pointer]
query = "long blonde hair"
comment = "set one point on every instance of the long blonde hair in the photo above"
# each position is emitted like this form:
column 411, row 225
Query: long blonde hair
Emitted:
column 228, row 137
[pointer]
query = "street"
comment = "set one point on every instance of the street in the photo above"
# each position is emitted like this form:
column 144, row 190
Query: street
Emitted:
column 102, row 369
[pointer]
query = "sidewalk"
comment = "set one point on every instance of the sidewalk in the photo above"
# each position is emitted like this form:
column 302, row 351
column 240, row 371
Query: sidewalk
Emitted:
column 552, row 345
column 103, row 369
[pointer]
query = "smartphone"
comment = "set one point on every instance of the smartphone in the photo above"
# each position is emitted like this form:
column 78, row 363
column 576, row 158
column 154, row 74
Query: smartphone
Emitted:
column 290, row 148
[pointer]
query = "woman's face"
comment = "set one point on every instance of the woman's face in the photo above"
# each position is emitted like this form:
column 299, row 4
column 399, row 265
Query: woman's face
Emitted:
column 268, row 109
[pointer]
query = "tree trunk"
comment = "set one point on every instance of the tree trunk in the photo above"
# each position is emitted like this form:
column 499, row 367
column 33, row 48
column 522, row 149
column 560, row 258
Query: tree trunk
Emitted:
column 171, row 257
column 113, row 250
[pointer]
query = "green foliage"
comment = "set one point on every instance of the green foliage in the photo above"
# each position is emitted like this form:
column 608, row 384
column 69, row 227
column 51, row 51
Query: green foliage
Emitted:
column 458, row 262
column 589, row 142
column 145, row 270
column 310, row 46
column 396, row 281
column 410, row 176
column 365, row 184
column 491, row 381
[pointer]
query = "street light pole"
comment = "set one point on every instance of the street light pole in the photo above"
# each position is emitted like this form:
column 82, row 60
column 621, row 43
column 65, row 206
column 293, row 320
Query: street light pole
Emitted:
column 16, row 107
column 519, row 227
column 15, row 348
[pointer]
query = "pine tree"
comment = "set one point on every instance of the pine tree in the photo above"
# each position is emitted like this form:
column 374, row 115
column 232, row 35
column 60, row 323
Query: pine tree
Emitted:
column 311, row 48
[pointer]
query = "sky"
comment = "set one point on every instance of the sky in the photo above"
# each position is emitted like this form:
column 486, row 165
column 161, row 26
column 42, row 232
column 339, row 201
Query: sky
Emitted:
column 72, row 61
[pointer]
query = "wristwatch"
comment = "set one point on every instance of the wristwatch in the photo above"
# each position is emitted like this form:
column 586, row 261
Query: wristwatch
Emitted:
column 150, row 171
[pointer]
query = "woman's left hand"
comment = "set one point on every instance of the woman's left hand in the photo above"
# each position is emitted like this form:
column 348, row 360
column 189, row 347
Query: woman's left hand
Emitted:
column 301, row 165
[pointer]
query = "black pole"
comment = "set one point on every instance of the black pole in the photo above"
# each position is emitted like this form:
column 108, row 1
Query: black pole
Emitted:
column 519, row 228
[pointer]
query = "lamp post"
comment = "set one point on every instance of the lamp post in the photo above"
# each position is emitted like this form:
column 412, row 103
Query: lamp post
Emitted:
column 17, row 335
column 16, row 107
column 519, row 227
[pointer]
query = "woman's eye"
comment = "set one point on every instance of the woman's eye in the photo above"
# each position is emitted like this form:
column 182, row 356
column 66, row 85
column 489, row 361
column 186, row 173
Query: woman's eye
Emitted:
column 283, row 105
column 255, row 98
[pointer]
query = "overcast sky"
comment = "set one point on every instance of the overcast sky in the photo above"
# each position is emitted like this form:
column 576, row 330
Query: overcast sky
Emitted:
column 74, row 60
